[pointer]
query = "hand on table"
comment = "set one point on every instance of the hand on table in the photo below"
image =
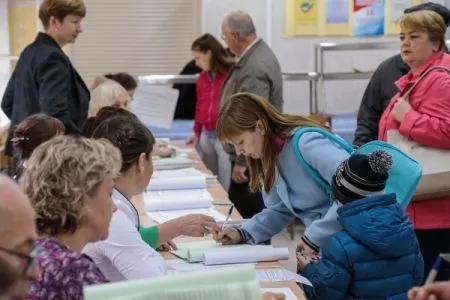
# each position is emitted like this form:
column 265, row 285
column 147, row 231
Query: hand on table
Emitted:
column 433, row 291
column 238, row 174
column 167, row 246
column 227, row 236
column 196, row 225
column 163, row 151
column 307, row 251
column 302, row 262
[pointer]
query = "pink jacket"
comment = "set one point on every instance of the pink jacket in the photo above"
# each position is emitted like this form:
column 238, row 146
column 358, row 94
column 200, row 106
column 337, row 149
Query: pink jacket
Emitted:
column 208, row 101
column 429, row 124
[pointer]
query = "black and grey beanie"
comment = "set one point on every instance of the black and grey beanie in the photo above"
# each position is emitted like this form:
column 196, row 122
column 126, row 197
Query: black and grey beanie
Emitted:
column 361, row 175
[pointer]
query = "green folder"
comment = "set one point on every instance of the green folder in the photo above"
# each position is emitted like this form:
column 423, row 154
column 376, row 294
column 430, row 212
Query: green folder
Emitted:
column 220, row 284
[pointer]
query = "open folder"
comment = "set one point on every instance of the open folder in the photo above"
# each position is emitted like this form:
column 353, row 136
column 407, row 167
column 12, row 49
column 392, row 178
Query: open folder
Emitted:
column 219, row 284
column 212, row 253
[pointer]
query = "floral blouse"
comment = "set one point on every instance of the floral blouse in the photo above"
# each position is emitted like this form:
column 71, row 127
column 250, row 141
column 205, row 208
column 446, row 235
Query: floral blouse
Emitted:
column 63, row 272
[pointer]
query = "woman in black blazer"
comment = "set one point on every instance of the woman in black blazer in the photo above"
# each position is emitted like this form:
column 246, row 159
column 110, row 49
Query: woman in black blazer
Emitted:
column 44, row 80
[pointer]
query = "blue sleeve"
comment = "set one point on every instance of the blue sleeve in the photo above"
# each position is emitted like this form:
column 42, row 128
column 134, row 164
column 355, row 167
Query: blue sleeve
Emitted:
column 276, row 214
column 331, row 276
column 324, row 156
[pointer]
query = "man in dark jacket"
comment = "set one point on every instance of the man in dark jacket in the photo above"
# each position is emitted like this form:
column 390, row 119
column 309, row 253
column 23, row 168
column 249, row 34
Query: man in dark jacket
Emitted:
column 381, row 87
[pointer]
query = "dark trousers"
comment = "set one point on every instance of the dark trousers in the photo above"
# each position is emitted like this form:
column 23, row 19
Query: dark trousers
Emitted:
column 247, row 203
column 432, row 242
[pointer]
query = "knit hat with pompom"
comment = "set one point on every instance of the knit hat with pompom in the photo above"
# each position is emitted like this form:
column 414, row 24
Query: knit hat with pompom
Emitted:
column 361, row 175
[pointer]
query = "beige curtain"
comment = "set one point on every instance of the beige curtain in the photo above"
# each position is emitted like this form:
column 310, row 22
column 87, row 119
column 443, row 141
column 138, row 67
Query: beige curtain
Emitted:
column 140, row 37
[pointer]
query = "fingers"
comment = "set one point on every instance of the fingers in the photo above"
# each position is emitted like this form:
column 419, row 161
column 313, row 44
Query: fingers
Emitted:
column 172, row 245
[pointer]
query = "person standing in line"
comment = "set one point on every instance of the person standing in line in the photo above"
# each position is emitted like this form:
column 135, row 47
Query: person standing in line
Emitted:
column 257, row 71
column 215, row 62
column 382, row 88
column 44, row 80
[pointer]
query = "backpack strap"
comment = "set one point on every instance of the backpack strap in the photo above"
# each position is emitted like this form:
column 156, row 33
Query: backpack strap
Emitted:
column 312, row 172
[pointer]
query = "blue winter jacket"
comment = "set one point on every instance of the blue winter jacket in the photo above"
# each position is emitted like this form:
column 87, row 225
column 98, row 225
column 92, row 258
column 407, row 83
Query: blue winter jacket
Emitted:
column 376, row 256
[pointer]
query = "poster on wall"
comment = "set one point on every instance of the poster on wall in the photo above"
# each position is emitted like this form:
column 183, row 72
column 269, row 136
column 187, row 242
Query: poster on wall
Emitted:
column 394, row 10
column 368, row 17
column 337, row 20
column 306, row 17
column 301, row 18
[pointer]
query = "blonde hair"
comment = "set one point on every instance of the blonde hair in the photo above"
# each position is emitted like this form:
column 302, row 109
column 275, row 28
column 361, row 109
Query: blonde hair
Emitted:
column 241, row 113
column 430, row 22
column 105, row 94
column 61, row 176
column 60, row 9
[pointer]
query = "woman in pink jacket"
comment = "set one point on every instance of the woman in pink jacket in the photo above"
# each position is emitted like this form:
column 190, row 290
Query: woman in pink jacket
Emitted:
column 425, row 118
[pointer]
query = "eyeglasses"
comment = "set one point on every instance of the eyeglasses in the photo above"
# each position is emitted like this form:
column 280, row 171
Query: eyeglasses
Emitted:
column 30, row 259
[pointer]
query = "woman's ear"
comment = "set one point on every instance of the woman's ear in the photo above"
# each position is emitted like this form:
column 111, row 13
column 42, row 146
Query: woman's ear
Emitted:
column 141, row 162
column 260, row 127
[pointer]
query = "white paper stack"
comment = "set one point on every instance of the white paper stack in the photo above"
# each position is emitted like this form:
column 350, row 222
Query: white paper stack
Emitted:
column 177, row 183
column 177, row 199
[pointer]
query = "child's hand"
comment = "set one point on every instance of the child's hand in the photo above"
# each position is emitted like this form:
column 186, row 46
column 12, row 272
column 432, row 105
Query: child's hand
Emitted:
column 302, row 262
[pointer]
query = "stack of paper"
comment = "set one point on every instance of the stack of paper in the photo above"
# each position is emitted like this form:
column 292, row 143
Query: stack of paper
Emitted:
column 219, row 284
column 186, row 172
column 176, row 162
column 163, row 216
column 212, row 253
column 177, row 183
column 263, row 275
column 177, row 200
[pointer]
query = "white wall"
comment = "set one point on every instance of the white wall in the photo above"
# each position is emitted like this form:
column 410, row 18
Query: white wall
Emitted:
column 297, row 54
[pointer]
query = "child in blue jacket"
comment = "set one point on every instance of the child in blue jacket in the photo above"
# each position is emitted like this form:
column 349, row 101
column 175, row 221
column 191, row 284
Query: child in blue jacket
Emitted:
column 377, row 255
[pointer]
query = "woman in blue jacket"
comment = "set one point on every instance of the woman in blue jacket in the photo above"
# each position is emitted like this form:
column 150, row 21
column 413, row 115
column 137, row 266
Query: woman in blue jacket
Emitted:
column 263, row 134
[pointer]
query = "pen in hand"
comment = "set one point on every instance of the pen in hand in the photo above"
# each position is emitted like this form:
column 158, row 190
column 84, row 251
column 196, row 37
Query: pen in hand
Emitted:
column 230, row 211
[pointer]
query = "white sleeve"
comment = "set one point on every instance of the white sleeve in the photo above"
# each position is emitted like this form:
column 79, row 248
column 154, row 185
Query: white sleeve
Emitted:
column 129, row 254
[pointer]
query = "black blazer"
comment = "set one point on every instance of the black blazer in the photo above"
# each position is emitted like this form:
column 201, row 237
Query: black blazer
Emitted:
column 45, row 80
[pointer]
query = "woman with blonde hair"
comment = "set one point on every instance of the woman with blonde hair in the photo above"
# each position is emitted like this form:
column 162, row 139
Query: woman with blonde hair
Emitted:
column 263, row 134
column 424, row 117
column 69, row 181
column 215, row 62
column 108, row 93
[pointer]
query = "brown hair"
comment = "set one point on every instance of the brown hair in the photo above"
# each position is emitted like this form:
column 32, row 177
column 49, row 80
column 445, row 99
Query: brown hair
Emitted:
column 35, row 130
column 241, row 113
column 104, row 113
column 60, row 9
column 129, row 135
column 124, row 79
column 221, row 60
column 427, row 21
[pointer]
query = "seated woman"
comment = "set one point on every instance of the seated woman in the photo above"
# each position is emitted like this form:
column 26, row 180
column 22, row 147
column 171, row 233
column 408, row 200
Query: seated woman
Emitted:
column 32, row 132
column 108, row 93
column 127, row 81
column 125, row 255
column 69, row 181
column 111, row 93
